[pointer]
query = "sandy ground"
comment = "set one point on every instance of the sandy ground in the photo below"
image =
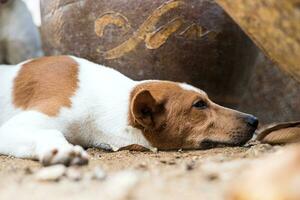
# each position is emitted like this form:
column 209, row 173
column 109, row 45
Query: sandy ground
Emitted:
column 135, row 175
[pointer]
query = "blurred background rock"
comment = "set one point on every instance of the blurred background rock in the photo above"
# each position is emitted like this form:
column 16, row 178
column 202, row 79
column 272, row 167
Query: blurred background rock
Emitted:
column 19, row 36
column 34, row 8
column 271, row 94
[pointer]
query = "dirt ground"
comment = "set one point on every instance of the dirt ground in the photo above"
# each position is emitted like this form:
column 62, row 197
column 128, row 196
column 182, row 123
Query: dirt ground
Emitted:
column 198, row 175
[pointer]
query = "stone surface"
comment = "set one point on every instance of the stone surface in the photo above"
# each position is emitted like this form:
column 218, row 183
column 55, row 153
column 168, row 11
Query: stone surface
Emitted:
column 274, row 26
column 191, row 41
column 272, row 95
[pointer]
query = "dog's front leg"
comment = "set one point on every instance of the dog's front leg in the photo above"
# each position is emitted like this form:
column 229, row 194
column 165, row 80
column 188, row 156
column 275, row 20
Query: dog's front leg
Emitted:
column 34, row 135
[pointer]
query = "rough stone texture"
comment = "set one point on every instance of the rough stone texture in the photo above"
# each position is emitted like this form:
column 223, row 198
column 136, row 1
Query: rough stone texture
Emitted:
column 273, row 25
column 19, row 37
column 191, row 41
column 271, row 94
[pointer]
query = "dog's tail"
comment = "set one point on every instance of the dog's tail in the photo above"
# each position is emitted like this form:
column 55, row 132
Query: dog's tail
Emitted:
column 280, row 133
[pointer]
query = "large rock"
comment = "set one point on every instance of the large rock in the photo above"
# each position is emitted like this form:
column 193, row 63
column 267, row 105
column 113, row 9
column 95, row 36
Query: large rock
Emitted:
column 192, row 41
column 274, row 26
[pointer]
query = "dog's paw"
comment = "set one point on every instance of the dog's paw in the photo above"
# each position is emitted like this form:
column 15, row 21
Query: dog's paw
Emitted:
column 71, row 155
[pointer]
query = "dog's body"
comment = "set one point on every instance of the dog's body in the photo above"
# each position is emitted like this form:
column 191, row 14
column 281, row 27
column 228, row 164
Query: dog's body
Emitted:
column 19, row 37
column 50, row 104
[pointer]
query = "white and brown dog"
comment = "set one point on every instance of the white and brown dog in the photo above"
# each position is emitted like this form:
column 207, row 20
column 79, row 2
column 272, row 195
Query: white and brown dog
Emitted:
column 51, row 107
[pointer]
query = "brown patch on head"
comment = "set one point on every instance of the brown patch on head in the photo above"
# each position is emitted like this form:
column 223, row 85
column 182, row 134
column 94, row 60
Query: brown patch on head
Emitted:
column 46, row 84
column 174, row 117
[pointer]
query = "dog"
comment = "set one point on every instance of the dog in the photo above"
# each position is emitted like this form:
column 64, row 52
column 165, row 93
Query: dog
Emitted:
column 53, row 107
column 19, row 37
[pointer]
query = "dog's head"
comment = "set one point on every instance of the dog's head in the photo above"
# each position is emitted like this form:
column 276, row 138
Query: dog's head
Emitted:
column 179, row 116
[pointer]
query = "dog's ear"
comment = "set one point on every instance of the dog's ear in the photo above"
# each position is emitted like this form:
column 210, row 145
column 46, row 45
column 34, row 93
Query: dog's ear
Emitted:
column 145, row 109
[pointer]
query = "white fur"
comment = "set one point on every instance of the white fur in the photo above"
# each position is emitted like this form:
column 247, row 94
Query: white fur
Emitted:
column 98, row 117
column 186, row 86
column 101, row 106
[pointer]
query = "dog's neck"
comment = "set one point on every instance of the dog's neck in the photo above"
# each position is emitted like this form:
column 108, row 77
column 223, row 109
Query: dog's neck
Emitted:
column 106, row 124
column 115, row 126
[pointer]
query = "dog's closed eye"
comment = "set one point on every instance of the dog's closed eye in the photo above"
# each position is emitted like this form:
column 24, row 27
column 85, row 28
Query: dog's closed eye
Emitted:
column 200, row 104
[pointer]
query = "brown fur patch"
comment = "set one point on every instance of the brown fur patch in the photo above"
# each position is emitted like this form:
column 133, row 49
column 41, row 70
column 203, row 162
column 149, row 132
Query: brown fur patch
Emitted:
column 166, row 134
column 46, row 84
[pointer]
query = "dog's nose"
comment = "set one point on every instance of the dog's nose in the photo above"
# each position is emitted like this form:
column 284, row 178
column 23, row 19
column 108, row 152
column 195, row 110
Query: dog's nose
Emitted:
column 251, row 121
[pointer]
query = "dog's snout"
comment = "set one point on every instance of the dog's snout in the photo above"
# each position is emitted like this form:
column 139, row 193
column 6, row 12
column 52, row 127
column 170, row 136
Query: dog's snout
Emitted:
column 251, row 121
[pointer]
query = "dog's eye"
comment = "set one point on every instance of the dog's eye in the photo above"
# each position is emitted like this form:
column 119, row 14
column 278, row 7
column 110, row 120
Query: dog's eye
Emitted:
column 200, row 104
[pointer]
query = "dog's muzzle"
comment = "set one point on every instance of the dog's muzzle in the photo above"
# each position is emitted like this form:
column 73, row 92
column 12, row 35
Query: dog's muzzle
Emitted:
column 237, row 140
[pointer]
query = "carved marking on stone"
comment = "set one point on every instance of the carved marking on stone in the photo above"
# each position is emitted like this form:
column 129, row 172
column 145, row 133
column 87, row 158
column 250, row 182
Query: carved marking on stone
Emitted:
column 194, row 31
column 148, row 32
column 157, row 38
column 140, row 35
column 111, row 18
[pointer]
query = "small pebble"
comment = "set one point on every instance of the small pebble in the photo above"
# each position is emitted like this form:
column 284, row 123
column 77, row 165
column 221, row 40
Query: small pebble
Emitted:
column 28, row 171
column 163, row 161
column 194, row 158
column 171, row 162
column 190, row 166
column 142, row 166
column 154, row 150
column 99, row 174
column 52, row 173
column 119, row 185
column 168, row 162
column 74, row 174
column 212, row 176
